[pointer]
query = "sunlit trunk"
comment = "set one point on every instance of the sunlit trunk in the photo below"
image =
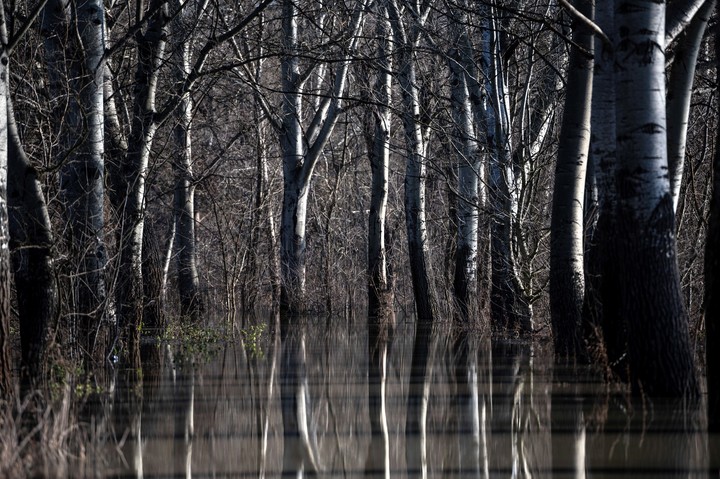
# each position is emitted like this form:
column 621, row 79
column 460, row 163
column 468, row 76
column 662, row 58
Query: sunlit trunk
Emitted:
column 567, row 280
column 651, row 296
column 407, row 36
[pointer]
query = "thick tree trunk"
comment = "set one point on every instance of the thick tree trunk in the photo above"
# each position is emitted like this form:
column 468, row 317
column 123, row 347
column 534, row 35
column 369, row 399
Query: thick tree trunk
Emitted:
column 31, row 244
column 661, row 362
column 423, row 292
column 567, row 280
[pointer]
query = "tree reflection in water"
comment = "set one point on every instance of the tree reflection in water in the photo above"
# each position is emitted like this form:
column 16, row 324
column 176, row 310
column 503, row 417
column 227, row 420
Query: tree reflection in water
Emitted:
column 326, row 403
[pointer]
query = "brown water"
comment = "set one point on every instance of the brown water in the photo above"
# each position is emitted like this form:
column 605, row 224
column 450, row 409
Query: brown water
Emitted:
column 481, row 410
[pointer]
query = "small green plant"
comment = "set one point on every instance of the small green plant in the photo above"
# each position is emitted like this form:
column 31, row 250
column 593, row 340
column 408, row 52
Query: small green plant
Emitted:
column 74, row 376
column 253, row 336
column 194, row 342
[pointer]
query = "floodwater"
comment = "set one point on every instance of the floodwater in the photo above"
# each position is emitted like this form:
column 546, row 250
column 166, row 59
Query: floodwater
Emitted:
column 303, row 406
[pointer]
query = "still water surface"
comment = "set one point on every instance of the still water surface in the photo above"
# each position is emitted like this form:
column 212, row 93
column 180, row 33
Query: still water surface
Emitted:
column 273, row 408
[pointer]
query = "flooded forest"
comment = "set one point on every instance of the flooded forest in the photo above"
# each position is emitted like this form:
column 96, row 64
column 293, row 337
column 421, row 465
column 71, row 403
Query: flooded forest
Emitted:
column 359, row 238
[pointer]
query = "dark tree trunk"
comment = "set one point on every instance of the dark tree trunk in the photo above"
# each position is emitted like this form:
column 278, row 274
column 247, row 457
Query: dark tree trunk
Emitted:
column 6, row 389
column 154, row 321
column 712, row 283
column 602, row 297
column 31, row 246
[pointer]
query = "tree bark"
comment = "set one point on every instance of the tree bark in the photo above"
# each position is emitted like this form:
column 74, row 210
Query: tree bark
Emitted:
column 567, row 280
column 407, row 34
column 661, row 362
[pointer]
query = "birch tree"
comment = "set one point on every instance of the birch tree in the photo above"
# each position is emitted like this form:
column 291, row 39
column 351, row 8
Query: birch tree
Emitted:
column 380, row 295
column 31, row 245
column 602, row 295
column 465, row 147
column 510, row 309
column 661, row 363
column 679, row 94
column 301, row 146
column 567, row 280
column 184, row 195
column 75, row 48
column 407, row 20
column 130, row 185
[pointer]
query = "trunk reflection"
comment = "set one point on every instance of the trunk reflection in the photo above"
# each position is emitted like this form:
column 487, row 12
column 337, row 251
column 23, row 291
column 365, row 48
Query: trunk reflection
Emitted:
column 342, row 403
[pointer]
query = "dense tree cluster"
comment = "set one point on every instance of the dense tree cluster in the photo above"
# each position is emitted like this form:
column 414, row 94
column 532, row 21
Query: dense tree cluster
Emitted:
column 519, row 167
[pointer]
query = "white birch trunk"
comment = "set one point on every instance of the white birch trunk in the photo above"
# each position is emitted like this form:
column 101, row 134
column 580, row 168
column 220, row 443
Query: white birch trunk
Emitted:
column 380, row 312
column 509, row 306
column 76, row 70
column 151, row 50
column 679, row 94
column 184, row 200
column 651, row 298
column 468, row 161
column 301, row 148
column 567, row 281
